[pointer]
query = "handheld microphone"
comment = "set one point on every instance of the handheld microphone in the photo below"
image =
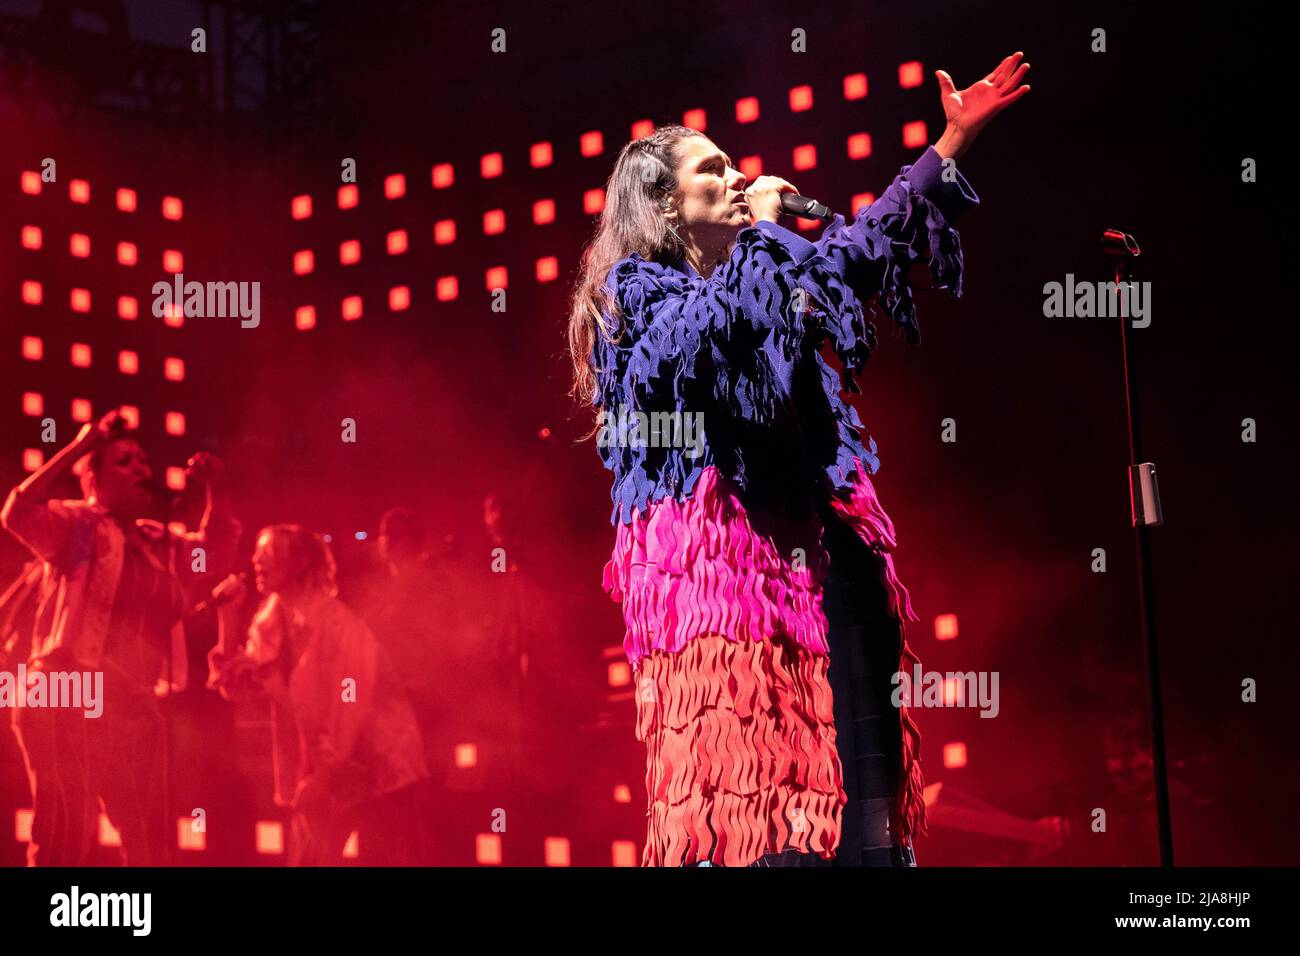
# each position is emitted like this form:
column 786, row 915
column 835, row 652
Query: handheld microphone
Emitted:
column 220, row 595
column 797, row 205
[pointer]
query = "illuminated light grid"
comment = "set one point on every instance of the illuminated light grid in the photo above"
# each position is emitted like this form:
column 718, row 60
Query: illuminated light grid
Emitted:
column 592, row 142
column 352, row 849
column 914, row 134
column 861, row 199
column 172, row 208
column 32, row 293
column 130, row 415
column 747, row 109
column 442, row 175
column 23, row 820
column 174, row 369
column 544, row 212
column 173, row 261
column 304, row 261
column 126, row 200
column 444, row 232
column 188, row 838
column 127, row 254
column 945, row 627
column 540, row 154
column 954, row 755
column 304, row 318
column 801, row 99
column 300, row 207
column 352, row 308
column 128, row 362
column 622, row 793
column 395, row 186
column 593, row 201
column 79, row 191
column 465, row 756
column 487, row 849
column 494, row 222
column 33, row 404
column 268, row 837
column 175, row 477
column 695, row 119
column 623, row 853
column 108, row 834
column 79, row 300
column 396, row 242
column 31, row 182
column 555, row 851
column 173, row 315
column 547, row 269
column 491, row 165
column 128, row 308
column 31, row 237
column 751, row 166
column 399, row 298
column 805, row 156
column 33, row 458
column 910, row 74
column 33, row 348
column 807, row 225
column 79, row 245
column 447, row 288
column 953, row 692
column 498, row 277
column 82, row 410
column 348, row 196
column 642, row 128
column 855, row 86
column 619, row 674
column 80, row 355
column 859, row 146
column 175, row 423
column 350, row 252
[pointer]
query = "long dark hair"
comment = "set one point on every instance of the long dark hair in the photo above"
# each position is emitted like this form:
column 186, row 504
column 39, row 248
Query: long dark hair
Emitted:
column 636, row 197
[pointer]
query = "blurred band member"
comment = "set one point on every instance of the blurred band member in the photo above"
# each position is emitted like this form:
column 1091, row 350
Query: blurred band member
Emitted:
column 346, row 739
column 111, row 604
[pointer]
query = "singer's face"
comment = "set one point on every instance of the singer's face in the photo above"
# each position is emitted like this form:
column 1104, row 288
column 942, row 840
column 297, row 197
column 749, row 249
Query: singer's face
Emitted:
column 272, row 570
column 710, row 198
column 122, row 481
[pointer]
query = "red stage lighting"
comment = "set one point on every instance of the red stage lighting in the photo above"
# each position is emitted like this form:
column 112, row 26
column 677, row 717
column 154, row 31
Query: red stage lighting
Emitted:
column 695, row 119
column 79, row 191
column 127, row 253
column 805, row 157
column 801, row 99
column 490, row 165
column 622, row 793
column 174, row 315
column 448, row 288
column 487, row 849
column 396, row 242
column 747, row 109
column 443, row 176
column 33, row 348
column 82, row 410
column 556, row 851
column 350, row 252
column 23, row 825
column 539, row 155
column 444, row 231
column 914, row 134
column 172, row 208
column 187, row 838
column 352, row 308
column 173, row 261
column 300, row 208
column 619, row 674
column 126, row 200
column 547, row 269
column 303, row 262
column 855, row 86
column 79, row 245
column 33, row 404
column 752, row 167
column 399, row 298
column 544, row 211
column 175, row 423
column 108, row 834
column 592, row 142
column 31, row 183
column 305, row 318
column 465, row 756
column 395, row 186
column 80, row 355
column 348, row 196
column 31, row 237
column 32, row 293
column 269, row 837
column 859, row 146
column 623, row 853
column 861, row 199
column 954, row 755
column 175, row 475
column 910, row 74
column 494, row 222
column 642, row 128
column 130, row 415
column 127, row 308
column 128, row 362
column 497, row 278
column 945, row 627
column 593, row 201
column 33, row 458
column 174, row 369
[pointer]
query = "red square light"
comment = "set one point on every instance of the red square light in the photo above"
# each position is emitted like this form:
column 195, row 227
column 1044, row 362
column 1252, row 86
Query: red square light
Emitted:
column 592, row 142
column 130, row 415
column 443, row 176
column 32, row 292
column 623, row 853
column 752, row 167
column 31, row 237
column 79, row 245
column 695, row 119
column 555, row 850
column 126, row 200
column 31, row 183
column 303, row 262
column 352, row 308
column 497, row 278
column 304, row 318
column 544, row 211
column 914, row 134
column 494, row 222
column 547, row 269
column 188, row 838
column 622, row 793
column 23, row 820
column 127, row 308
column 465, row 756
column 945, row 627
column 855, row 86
column 33, row 458
column 487, row 849
column 447, row 288
column 859, row 146
column 79, row 191
column 910, row 74
column 805, row 157
column 801, row 98
column 619, row 674
column 173, row 261
column 642, row 128
column 396, row 242
column 444, row 231
column 109, row 835
column 593, row 201
column 175, row 475
column 539, row 155
column 490, row 165
column 128, row 362
column 954, row 755
column 300, row 208
column 350, row 252
column 269, row 837
column 747, row 109
column 348, row 196
column 175, row 423
column 174, row 315
column 33, row 348
column 81, row 410
column 127, row 253
column 394, row 186
column 172, row 208
column 174, row 369
column 79, row 355
column 861, row 199
column 399, row 298
column 33, row 404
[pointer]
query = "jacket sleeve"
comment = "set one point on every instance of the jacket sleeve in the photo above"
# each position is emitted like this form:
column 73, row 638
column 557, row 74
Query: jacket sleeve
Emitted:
column 45, row 527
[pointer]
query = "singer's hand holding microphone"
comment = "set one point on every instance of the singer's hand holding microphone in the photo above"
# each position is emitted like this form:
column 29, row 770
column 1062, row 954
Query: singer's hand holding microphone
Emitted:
column 771, row 196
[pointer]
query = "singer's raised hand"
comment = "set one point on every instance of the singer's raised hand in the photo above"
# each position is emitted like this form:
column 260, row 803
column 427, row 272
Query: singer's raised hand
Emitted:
column 764, row 197
column 206, row 467
column 968, row 111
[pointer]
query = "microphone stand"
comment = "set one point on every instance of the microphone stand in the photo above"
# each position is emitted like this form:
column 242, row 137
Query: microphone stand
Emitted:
column 1144, row 500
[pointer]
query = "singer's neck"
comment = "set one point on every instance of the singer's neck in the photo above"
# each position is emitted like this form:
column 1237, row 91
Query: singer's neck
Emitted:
column 703, row 260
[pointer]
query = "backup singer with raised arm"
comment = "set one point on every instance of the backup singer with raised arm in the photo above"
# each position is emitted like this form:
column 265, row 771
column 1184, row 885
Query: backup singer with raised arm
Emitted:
column 764, row 618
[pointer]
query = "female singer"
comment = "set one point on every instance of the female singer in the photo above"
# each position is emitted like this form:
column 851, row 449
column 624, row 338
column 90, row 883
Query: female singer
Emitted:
column 764, row 618
column 112, row 602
